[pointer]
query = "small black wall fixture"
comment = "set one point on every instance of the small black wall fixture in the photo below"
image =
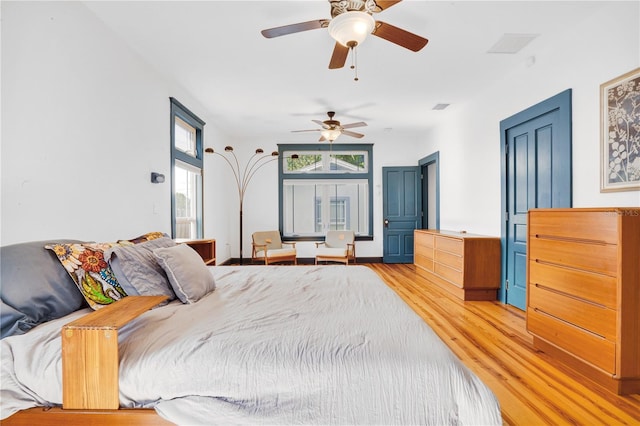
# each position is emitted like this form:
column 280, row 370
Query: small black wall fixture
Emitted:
column 157, row 177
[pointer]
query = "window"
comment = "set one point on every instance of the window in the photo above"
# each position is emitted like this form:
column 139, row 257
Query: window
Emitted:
column 186, row 165
column 325, row 187
column 336, row 215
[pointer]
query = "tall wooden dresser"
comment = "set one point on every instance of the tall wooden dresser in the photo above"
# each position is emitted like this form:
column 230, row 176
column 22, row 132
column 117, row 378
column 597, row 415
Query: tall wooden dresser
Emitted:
column 583, row 291
column 466, row 265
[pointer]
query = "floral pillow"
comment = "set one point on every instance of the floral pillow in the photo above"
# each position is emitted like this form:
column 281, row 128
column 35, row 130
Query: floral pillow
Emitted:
column 90, row 271
column 143, row 238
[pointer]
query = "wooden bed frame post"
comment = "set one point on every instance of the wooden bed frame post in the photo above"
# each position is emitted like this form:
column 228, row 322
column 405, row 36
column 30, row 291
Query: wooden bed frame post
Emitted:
column 90, row 368
column 90, row 354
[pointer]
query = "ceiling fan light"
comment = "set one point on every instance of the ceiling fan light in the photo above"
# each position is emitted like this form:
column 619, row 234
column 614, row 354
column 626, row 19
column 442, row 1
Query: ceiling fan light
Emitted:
column 330, row 134
column 353, row 26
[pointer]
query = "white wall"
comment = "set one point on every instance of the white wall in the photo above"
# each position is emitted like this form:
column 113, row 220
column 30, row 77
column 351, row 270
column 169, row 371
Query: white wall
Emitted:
column 84, row 123
column 468, row 138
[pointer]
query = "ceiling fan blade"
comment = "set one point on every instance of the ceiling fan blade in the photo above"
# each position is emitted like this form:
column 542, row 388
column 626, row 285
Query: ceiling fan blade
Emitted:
column 352, row 125
column 383, row 5
column 295, row 28
column 322, row 139
column 399, row 36
column 352, row 134
column 339, row 56
column 310, row 130
column 320, row 123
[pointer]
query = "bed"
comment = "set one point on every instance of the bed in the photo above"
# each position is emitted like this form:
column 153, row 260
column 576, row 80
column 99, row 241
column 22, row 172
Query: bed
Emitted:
column 266, row 345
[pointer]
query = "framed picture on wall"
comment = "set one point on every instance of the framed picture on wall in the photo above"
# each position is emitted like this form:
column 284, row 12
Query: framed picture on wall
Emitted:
column 620, row 133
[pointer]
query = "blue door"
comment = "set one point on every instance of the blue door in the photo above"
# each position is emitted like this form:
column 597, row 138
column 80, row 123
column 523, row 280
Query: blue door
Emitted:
column 401, row 212
column 537, row 174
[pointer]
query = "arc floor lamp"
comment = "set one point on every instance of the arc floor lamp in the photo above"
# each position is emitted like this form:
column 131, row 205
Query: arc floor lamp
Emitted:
column 243, row 175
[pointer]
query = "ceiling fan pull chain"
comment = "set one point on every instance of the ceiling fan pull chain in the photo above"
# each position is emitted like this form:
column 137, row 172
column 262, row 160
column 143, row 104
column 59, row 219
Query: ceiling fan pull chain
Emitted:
column 354, row 63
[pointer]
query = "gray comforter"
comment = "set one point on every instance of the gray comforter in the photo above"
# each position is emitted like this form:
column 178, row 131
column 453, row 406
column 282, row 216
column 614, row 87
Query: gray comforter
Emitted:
column 272, row 345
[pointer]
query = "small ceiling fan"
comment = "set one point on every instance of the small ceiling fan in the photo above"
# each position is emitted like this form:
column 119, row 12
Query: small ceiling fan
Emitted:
column 351, row 22
column 331, row 129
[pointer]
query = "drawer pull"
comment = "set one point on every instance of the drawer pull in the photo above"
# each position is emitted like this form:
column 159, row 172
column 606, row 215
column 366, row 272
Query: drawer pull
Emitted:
column 570, row 239
column 563, row 266
column 572, row 296
column 541, row 312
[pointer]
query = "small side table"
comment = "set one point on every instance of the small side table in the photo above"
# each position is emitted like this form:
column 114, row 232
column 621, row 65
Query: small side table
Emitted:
column 205, row 248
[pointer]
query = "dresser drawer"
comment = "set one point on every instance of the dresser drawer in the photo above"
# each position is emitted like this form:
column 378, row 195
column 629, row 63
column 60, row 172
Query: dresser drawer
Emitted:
column 449, row 274
column 423, row 261
column 594, row 226
column 423, row 239
column 596, row 288
column 597, row 319
column 451, row 260
column 600, row 258
column 452, row 245
column 589, row 347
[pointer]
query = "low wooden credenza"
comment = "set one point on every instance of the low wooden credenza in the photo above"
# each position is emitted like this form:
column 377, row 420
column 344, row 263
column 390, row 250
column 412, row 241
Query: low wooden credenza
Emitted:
column 466, row 265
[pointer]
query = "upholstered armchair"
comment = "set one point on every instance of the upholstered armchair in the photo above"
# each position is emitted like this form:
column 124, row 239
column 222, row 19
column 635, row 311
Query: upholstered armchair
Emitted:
column 338, row 246
column 268, row 247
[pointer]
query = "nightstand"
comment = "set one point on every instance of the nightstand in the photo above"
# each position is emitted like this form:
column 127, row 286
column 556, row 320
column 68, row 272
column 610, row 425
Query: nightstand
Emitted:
column 205, row 248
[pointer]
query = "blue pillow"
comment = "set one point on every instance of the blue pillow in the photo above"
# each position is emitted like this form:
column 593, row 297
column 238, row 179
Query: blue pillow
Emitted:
column 13, row 322
column 34, row 287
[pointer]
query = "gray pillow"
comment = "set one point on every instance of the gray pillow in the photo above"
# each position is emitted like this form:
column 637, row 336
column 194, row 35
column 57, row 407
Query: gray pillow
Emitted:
column 137, row 269
column 116, row 267
column 34, row 287
column 189, row 276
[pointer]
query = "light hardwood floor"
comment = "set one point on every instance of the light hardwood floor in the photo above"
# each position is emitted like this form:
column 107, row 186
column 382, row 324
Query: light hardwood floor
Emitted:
column 491, row 339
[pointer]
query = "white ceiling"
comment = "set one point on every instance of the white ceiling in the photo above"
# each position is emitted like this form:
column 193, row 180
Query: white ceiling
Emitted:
column 260, row 89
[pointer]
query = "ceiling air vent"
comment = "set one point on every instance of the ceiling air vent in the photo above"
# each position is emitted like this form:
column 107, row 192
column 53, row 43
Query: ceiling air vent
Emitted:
column 512, row 43
column 440, row 107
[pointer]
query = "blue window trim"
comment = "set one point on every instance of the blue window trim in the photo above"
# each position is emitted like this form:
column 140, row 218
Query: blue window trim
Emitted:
column 179, row 110
column 324, row 147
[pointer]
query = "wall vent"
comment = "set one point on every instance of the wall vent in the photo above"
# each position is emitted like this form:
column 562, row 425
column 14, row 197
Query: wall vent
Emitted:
column 512, row 43
column 439, row 107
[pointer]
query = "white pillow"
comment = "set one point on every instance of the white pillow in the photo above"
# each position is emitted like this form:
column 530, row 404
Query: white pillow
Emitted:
column 189, row 276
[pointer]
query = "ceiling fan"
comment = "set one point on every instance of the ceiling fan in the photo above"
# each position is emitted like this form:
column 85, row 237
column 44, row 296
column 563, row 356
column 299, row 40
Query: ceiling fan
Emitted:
column 331, row 129
column 351, row 22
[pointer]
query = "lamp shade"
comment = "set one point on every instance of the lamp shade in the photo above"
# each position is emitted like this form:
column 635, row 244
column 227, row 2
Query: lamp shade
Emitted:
column 349, row 27
column 330, row 134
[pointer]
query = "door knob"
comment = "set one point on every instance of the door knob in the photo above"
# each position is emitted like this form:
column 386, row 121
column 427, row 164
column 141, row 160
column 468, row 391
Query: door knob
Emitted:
column 386, row 223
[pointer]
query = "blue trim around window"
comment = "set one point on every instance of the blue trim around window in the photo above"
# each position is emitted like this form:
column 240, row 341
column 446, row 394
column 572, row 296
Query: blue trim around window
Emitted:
column 179, row 110
column 301, row 149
